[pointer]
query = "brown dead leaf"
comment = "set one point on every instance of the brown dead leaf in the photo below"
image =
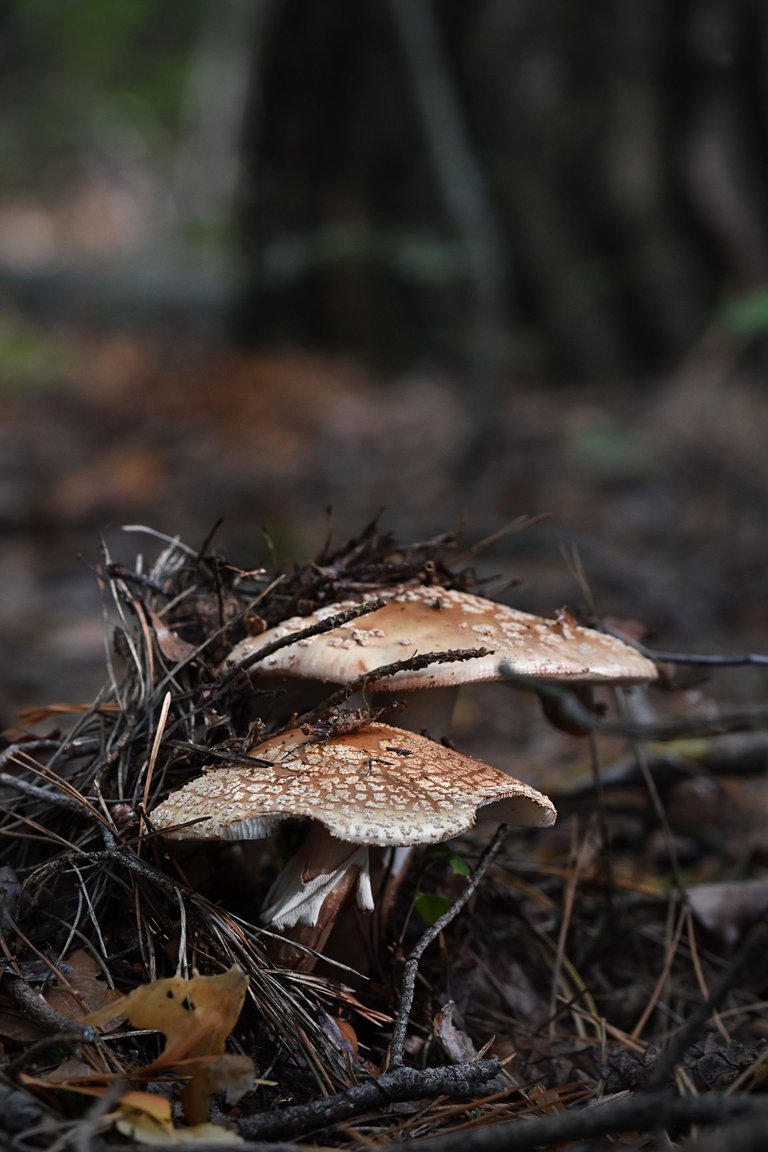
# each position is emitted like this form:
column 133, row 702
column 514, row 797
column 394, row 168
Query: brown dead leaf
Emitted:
column 229, row 1075
column 75, row 1073
column 196, row 1016
column 85, row 989
column 456, row 1044
column 15, row 1026
column 171, row 645
column 82, row 988
column 146, row 1118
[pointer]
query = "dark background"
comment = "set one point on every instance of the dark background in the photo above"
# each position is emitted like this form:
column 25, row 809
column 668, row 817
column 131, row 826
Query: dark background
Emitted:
column 458, row 261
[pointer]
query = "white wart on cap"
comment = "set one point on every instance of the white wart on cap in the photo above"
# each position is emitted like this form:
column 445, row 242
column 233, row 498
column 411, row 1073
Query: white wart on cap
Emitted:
column 419, row 620
column 378, row 786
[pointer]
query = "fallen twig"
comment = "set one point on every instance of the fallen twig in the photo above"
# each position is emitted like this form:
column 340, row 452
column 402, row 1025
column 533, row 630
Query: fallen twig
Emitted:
column 392, row 1087
column 708, row 660
column 434, row 930
column 38, row 1011
column 410, row 664
column 640, row 1113
column 575, row 712
column 336, row 621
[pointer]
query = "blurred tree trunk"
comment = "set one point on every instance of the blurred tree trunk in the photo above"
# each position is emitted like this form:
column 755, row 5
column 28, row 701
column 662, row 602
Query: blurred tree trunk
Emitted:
column 620, row 153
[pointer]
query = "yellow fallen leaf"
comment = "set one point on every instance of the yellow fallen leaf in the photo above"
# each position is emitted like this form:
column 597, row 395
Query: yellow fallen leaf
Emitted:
column 146, row 1118
column 196, row 1016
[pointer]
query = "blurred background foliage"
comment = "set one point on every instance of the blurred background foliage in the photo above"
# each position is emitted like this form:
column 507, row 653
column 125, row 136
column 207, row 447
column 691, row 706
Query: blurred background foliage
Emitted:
column 90, row 78
column 548, row 187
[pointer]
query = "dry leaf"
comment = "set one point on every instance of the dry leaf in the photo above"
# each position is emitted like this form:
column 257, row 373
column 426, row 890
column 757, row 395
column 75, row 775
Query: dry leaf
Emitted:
column 229, row 1074
column 14, row 1025
column 456, row 1044
column 171, row 645
column 84, row 990
column 196, row 1016
column 146, row 1118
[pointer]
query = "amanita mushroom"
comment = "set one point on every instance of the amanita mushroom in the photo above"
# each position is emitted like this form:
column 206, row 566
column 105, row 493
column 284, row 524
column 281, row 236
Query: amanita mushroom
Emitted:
column 379, row 786
column 418, row 620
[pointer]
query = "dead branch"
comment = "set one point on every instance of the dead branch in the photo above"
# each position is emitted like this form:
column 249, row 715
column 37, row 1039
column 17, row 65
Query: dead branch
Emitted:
column 637, row 1113
column 37, row 1010
column 575, row 712
column 412, row 961
column 335, row 621
column 701, row 659
column 393, row 1087
column 411, row 664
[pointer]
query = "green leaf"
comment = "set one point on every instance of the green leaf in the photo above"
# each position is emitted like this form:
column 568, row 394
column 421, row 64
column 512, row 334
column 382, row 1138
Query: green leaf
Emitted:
column 459, row 866
column 431, row 907
column 748, row 314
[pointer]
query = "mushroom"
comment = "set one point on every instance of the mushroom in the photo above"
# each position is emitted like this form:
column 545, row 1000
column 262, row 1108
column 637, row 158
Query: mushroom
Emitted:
column 419, row 620
column 378, row 786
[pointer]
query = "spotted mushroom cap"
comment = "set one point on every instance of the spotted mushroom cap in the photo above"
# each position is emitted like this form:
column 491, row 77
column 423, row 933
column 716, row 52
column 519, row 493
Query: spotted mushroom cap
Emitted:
column 380, row 785
column 419, row 620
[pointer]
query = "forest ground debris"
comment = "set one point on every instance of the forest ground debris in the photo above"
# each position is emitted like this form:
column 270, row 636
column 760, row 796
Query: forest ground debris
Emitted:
column 574, row 1009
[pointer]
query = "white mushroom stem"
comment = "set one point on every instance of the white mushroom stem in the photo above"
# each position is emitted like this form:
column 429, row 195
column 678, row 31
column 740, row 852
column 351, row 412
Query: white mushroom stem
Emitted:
column 310, row 892
column 315, row 884
column 426, row 710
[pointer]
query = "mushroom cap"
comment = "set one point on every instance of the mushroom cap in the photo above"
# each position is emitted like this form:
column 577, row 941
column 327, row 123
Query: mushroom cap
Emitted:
column 380, row 785
column 419, row 620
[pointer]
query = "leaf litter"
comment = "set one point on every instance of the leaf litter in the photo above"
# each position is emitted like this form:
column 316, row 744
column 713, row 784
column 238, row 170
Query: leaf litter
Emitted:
column 577, row 959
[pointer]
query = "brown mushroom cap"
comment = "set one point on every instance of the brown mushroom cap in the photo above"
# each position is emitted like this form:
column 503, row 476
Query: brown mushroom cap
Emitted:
column 380, row 785
column 420, row 620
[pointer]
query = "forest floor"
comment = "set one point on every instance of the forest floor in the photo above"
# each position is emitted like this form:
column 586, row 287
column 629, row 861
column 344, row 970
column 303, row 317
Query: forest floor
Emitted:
column 648, row 507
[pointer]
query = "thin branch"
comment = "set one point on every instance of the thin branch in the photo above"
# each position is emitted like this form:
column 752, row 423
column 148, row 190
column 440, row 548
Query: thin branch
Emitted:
column 412, row 960
column 336, row 621
column 392, row 1087
column 39, row 1012
column 48, row 795
column 574, row 711
column 707, row 660
column 70, row 749
column 412, row 664
column 634, row 1113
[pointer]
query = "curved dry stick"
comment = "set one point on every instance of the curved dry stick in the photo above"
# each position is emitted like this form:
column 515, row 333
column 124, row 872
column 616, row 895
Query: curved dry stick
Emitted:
column 666, row 728
column 317, row 629
column 393, row 1087
column 412, row 960
column 634, row 1113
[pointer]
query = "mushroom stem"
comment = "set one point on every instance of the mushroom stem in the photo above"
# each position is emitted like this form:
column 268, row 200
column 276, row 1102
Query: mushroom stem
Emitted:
column 427, row 710
column 311, row 890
